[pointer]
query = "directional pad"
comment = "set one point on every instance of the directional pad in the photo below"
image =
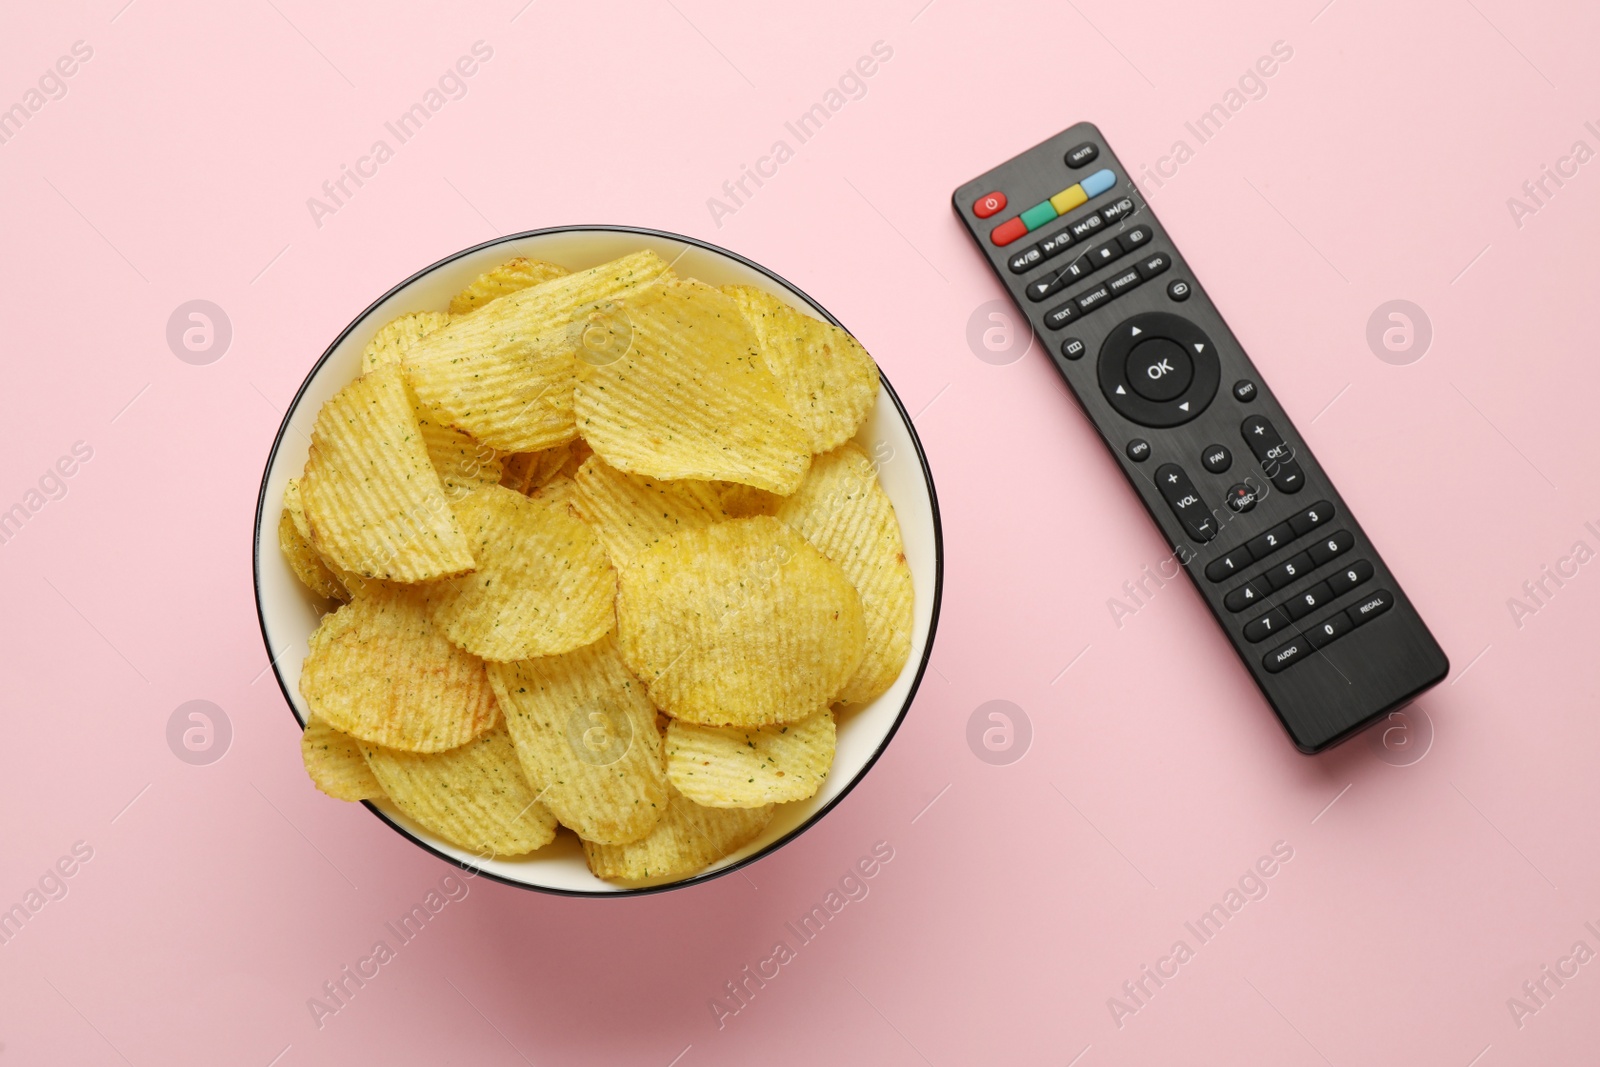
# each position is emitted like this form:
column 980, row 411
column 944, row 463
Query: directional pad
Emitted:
column 1158, row 369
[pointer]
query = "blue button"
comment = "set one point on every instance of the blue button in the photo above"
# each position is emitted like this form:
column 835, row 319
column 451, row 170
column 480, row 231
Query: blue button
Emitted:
column 1098, row 182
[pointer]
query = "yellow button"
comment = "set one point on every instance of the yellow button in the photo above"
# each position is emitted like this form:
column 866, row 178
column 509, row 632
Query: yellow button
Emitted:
column 1067, row 199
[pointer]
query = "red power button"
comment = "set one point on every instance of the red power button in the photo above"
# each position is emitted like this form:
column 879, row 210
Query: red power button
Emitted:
column 988, row 204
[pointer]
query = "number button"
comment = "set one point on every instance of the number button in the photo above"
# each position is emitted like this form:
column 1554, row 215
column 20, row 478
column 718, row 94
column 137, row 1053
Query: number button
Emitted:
column 1311, row 518
column 1334, row 545
column 1229, row 565
column 1246, row 595
column 1269, row 542
column 1358, row 572
column 1309, row 601
column 1275, row 621
column 1330, row 630
column 1285, row 573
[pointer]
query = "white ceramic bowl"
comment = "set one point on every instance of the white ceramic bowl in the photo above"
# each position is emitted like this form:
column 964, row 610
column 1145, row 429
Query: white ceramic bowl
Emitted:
column 289, row 612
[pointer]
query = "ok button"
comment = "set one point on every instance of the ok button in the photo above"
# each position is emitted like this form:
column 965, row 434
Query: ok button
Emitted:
column 1159, row 369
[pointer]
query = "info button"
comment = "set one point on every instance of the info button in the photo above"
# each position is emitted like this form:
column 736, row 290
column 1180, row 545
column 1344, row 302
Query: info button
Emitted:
column 1159, row 369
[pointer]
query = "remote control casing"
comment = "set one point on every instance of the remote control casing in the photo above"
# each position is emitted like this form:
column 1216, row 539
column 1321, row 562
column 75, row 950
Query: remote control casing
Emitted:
column 1336, row 690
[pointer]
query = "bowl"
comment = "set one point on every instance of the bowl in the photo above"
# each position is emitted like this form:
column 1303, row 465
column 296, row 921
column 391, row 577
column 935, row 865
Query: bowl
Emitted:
column 289, row 612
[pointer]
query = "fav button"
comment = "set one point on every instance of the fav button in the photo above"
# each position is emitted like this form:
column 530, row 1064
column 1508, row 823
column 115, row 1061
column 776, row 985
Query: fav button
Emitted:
column 989, row 204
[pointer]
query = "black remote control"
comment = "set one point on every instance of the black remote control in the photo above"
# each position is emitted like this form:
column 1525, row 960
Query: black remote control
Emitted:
column 1316, row 616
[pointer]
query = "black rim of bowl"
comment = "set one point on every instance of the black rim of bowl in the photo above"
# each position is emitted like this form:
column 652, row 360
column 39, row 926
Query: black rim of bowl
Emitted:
column 815, row 817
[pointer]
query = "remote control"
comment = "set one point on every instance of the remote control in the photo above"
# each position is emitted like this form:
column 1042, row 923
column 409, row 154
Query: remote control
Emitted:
column 1310, row 607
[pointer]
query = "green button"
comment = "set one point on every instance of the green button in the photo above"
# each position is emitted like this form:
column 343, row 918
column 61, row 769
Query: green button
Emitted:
column 1038, row 215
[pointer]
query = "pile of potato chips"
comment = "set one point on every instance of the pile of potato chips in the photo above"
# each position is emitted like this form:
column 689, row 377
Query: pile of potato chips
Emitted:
column 608, row 558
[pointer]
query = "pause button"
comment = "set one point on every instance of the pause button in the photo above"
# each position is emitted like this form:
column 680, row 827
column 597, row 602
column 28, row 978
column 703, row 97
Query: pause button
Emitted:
column 1159, row 369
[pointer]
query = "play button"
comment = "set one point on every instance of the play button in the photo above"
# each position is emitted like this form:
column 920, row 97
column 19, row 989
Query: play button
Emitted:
column 1159, row 369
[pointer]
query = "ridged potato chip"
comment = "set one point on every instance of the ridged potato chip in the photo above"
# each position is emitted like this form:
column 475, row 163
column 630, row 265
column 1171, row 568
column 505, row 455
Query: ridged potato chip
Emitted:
column 686, row 839
column 631, row 512
column 690, row 397
column 462, row 463
column 739, row 623
column 509, row 277
column 528, row 472
column 842, row 509
column 829, row 379
column 742, row 501
column 380, row 670
column 734, row 767
column 303, row 559
column 389, row 344
column 474, row 795
column 586, row 735
column 504, row 374
column 374, row 502
column 543, row 584
column 335, row 763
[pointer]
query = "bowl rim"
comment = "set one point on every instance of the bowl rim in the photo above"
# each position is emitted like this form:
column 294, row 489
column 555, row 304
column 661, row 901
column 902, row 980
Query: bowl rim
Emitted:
column 933, row 507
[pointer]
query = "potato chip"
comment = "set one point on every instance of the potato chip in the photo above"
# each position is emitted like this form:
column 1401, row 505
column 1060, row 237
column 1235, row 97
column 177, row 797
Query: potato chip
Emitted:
column 335, row 763
column 374, row 502
column 742, row 501
column 738, row 624
column 389, row 344
column 828, row 378
column 302, row 558
column 508, row 277
column 462, row 463
column 504, row 374
column 686, row 839
column 585, row 732
column 690, row 397
column 474, row 795
column 543, row 585
column 379, row 670
column 578, row 451
column 842, row 509
column 528, row 472
column 631, row 512
column 733, row 767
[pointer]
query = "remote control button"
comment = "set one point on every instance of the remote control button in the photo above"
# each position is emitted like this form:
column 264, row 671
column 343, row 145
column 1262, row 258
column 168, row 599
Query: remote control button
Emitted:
column 1329, row 630
column 1058, row 317
column 1082, row 155
column 1331, row 546
column 1242, row 498
column 1268, row 543
column 1077, row 270
column 1158, row 369
column 1115, row 211
column 1133, row 237
column 1009, row 231
column 1144, row 391
column 1178, row 290
column 1085, row 226
column 1216, row 459
column 1026, row 259
column 1246, row 595
column 1093, row 298
column 1154, row 265
column 1128, row 279
column 989, row 204
column 1305, row 603
column 1311, row 518
column 1046, row 285
column 1103, row 254
column 1371, row 607
column 1284, row 655
column 1185, row 501
column 1038, row 215
column 1263, row 440
column 1069, row 198
column 1138, row 450
column 1244, row 390
column 1099, row 182
column 1342, row 582
column 1056, row 244
column 1289, row 571
column 1072, row 348
column 1288, row 477
column 1227, row 566
column 1275, row 621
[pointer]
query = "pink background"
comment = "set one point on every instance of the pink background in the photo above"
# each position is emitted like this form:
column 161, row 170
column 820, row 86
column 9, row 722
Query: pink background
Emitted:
column 1422, row 893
